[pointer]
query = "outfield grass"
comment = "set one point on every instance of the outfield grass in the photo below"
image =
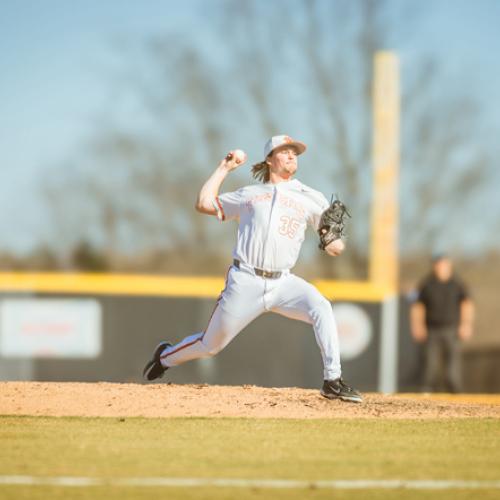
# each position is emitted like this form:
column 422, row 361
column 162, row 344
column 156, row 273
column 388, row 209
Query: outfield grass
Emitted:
column 463, row 449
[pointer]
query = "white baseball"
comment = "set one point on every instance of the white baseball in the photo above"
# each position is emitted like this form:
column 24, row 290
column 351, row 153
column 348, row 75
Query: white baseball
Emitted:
column 239, row 155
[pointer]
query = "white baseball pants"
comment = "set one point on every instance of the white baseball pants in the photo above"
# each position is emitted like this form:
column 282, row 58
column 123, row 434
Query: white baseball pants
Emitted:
column 247, row 296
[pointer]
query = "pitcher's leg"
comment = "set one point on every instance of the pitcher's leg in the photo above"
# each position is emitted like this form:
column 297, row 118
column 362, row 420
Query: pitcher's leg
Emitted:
column 298, row 299
column 222, row 328
column 239, row 303
column 325, row 331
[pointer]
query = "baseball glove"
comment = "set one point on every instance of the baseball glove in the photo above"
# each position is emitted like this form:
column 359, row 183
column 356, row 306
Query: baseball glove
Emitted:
column 332, row 223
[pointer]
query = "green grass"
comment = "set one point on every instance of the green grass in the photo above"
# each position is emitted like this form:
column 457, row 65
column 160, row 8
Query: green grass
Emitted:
column 46, row 493
column 465, row 449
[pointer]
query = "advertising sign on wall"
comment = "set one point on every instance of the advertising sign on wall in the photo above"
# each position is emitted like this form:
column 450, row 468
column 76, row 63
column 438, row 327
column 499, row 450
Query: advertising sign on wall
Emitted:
column 354, row 329
column 48, row 328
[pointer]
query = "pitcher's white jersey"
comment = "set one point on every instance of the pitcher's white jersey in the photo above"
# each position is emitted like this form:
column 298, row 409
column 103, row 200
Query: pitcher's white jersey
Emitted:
column 272, row 221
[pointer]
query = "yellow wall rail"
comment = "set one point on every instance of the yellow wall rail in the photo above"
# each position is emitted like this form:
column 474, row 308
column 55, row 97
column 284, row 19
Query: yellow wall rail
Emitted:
column 163, row 286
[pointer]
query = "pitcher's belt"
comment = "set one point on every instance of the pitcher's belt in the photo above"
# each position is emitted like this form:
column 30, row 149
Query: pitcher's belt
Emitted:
column 274, row 275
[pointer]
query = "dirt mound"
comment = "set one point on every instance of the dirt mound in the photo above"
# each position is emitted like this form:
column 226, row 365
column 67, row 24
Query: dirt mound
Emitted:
column 170, row 400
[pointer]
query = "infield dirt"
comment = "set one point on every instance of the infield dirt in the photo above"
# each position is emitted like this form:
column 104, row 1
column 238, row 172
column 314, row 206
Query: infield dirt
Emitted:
column 170, row 400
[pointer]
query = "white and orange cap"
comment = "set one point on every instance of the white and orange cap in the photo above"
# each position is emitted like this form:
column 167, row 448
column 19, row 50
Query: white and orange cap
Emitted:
column 283, row 140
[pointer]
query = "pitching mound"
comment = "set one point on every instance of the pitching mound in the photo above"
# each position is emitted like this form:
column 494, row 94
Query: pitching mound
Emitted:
column 169, row 400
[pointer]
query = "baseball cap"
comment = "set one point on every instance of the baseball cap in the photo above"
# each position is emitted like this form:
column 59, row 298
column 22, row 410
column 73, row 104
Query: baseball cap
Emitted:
column 283, row 140
column 437, row 256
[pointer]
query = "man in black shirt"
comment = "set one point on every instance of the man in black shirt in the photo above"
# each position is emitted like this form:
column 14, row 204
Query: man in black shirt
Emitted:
column 441, row 317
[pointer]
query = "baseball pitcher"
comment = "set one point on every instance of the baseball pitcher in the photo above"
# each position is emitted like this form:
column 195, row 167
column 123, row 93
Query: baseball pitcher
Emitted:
column 272, row 219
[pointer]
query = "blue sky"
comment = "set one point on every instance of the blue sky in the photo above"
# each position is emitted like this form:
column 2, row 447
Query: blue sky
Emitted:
column 55, row 56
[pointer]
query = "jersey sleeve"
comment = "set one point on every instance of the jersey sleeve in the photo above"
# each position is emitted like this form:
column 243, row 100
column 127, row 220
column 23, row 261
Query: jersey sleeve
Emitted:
column 228, row 205
column 463, row 291
column 319, row 205
column 422, row 295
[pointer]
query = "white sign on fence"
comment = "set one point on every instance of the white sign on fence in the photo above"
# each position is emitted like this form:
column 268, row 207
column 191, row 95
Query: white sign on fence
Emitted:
column 355, row 330
column 50, row 328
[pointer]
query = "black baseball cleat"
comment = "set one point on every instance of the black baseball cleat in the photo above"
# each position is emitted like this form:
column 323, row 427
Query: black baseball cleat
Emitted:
column 333, row 389
column 154, row 369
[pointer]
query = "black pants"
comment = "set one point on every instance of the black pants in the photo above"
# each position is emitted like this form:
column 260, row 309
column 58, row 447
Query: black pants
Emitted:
column 442, row 357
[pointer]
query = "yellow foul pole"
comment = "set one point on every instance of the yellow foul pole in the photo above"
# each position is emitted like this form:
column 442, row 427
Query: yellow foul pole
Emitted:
column 385, row 214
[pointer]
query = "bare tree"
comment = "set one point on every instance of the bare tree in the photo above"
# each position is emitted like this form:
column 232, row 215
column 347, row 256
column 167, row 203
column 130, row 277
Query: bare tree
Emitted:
column 282, row 66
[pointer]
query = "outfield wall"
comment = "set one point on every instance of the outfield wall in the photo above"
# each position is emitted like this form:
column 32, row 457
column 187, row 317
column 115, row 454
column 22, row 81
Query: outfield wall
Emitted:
column 271, row 351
